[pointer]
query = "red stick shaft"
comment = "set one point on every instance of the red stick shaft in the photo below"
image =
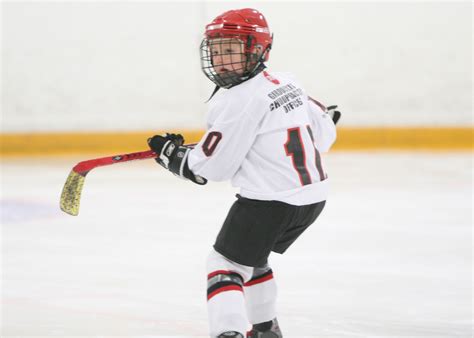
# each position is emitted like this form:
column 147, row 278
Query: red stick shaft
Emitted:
column 85, row 166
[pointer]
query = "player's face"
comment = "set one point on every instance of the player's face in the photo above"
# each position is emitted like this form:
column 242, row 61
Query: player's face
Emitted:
column 227, row 56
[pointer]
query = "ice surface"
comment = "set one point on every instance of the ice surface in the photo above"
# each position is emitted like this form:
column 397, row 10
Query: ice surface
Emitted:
column 389, row 256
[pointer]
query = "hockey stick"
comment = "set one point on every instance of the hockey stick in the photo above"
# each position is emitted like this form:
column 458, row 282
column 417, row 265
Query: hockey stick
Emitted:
column 71, row 194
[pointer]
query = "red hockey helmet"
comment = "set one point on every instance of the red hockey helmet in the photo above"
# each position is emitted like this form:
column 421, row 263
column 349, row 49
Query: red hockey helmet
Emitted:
column 247, row 26
column 242, row 23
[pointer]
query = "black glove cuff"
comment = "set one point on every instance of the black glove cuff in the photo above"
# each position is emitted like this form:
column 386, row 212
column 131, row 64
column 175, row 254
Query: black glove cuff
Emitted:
column 179, row 166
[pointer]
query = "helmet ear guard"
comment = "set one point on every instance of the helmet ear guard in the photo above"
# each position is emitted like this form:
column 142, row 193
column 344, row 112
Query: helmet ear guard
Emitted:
column 265, row 52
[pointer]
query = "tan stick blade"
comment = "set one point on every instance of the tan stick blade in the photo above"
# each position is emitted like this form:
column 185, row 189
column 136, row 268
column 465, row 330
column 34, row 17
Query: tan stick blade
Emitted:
column 71, row 194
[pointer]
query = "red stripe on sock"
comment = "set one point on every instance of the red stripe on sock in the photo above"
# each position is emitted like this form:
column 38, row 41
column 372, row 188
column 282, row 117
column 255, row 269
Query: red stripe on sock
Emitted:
column 218, row 272
column 227, row 288
column 259, row 280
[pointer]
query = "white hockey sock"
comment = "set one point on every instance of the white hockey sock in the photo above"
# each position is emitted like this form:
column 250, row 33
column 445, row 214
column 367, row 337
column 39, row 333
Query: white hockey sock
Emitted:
column 260, row 296
column 225, row 299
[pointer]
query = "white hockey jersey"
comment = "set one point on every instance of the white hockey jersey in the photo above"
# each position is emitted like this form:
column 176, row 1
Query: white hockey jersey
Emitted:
column 266, row 135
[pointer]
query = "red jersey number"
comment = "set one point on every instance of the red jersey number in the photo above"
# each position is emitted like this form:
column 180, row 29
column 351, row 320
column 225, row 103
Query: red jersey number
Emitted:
column 211, row 142
column 294, row 147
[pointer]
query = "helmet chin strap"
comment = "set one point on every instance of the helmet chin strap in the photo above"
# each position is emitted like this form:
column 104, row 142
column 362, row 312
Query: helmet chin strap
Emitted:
column 259, row 66
column 257, row 69
column 216, row 89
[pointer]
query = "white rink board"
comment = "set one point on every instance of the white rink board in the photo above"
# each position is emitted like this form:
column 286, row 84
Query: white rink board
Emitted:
column 134, row 65
column 389, row 256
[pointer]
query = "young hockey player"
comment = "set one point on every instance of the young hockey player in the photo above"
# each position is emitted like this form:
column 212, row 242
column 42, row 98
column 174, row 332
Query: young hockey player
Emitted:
column 265, row 134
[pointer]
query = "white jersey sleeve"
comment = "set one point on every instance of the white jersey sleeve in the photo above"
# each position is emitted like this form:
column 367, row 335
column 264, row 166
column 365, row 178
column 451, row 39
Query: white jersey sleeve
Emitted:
column 233, row 126
column 323, row 126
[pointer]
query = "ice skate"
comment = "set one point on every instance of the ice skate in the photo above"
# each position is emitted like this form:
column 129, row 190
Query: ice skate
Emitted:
column 269, row 329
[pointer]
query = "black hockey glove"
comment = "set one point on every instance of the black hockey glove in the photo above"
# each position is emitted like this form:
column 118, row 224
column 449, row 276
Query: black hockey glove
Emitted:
column 165, row 147
column 335, row 114
column 173, row 155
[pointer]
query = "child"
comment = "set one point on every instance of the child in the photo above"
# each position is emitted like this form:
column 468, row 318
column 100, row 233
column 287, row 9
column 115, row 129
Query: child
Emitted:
column 265, row 134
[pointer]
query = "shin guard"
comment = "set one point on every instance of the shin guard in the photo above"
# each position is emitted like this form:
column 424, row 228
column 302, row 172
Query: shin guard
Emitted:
column 225, row 299
column 260, row 296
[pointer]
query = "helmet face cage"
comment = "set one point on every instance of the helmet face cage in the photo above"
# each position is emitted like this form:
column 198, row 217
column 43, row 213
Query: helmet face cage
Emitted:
column 228, row 60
